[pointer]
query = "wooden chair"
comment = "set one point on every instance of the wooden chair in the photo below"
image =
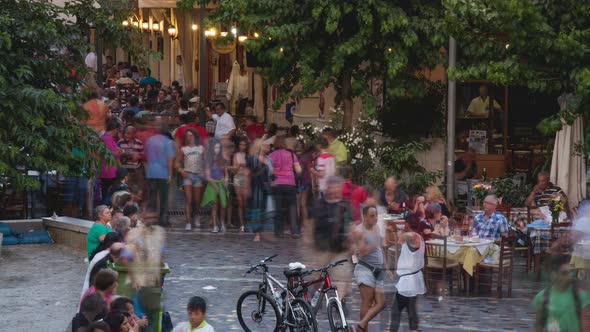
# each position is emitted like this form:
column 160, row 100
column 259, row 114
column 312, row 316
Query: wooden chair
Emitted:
column 436, row 263
column 505, row 210
column 503, row 269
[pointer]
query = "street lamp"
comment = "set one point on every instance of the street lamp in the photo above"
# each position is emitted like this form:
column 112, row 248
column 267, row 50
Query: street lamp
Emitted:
column 172, row 32
column 194, row 27
column 145, row 25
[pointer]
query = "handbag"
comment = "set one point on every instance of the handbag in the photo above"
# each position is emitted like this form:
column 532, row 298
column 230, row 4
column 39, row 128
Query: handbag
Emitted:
column 296, row 171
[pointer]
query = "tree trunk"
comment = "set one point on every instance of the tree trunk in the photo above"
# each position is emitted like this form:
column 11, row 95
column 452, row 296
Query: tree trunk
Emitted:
column 346, row 94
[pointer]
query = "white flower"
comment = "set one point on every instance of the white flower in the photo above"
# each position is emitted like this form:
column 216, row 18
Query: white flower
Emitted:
column 353, row 161
column 358, row 156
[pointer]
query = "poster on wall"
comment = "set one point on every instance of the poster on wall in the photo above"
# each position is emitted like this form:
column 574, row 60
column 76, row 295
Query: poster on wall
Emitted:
column 478, row 141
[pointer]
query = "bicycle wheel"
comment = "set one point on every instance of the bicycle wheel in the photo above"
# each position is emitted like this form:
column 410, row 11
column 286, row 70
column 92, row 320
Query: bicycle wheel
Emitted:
column 336, row 321
column 258, row 312
column 302, row 317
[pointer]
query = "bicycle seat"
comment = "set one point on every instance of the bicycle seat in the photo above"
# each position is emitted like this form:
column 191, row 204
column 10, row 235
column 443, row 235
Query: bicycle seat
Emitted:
column 293, row 273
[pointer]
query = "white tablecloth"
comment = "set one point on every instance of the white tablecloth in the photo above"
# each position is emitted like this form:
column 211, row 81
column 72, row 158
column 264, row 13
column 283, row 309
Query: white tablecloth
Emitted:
column 453, row 246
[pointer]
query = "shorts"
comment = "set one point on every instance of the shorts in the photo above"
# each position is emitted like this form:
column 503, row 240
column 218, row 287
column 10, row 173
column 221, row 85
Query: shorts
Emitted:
column 304, row 187
column 192, row 179
column 364, row 276
column 239, row 181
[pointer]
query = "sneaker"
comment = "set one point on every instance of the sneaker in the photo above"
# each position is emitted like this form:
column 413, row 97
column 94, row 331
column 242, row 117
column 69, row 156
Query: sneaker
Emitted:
column 223, row 229
column 242, row 229
column 197, row 221
column 188, row 227
column 215, row 230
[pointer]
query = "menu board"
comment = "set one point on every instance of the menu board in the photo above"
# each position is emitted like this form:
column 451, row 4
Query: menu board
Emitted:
column 478, row 141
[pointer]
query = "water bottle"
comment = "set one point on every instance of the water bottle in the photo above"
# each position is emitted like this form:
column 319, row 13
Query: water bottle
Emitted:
column 484, row 174
column 277, row 296
column 316, row 298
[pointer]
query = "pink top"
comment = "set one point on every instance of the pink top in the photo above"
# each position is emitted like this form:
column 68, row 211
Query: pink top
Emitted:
column 282, row 164
column 109, row 172
column 91, row 290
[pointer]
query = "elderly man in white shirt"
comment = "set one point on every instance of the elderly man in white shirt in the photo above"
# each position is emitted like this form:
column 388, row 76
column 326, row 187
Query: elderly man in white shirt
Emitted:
column 224, row 123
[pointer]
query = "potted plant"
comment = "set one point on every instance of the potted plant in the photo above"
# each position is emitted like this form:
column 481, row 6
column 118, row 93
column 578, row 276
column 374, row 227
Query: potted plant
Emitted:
column 481, row 190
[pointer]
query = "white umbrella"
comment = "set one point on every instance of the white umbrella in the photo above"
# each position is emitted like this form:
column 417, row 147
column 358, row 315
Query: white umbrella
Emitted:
column 568, row 169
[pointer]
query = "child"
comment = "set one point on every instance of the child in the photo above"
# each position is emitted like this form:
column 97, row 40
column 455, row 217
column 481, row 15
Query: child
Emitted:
column 196, row 312
column 443, row 228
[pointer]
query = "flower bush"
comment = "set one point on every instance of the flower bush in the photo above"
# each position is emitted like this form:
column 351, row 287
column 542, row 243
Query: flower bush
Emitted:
column 481, row 190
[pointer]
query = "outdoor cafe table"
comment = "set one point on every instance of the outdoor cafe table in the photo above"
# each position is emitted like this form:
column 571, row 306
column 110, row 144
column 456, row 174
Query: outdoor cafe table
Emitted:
column 468, row 254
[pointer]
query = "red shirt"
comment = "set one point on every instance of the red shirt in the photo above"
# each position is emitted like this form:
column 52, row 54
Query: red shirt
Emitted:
column 356, row 195
column 254, row 131
column 203, row 135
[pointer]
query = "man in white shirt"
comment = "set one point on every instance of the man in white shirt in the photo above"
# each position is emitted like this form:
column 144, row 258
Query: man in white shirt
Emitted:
column 224, row 123
column 90, row 60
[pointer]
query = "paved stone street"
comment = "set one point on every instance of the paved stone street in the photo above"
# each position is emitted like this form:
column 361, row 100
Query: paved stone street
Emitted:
column 40, row 286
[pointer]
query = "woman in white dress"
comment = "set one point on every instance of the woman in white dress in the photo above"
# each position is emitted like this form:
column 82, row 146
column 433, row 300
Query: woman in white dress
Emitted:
column 410, row 280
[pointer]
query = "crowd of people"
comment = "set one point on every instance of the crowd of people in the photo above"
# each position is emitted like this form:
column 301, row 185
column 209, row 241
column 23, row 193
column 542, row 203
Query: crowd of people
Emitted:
column 254, row 178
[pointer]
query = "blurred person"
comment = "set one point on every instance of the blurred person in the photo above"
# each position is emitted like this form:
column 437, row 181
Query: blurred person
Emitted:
column 410, row 282
column 271, row 134
column 443, row 228
column 120, row 185
column 561, row 306
column 285, row 167
column 258, row 179
column 224, row 123
column 434, row 195
column 325, row 165
column 132, row 155
column 291, row 139
column 121, row 199
column 183, row 106
column 253, row 129
column 353, row 194
column 98, row 326
column 335, row 146
column 105, row 283
column 122, row 225
column 133, row 107
column 239, row 170
column 99, row 229
column 217, row 178
column 113, row 255
column 118, row 321
column 132, row 212
column 210, row 122
column 108, row 173
column 112, row 103
column 97, row 113
column 465, row 166
column 196, row 313
column 144, row 245
column 369, row 270
column 93, row 308
column 125, row 305
column 431, row 218
column 190, row 121
column 307, row 162
column 159, row 151
column 490, row 224
column 391, row 197
column 330, row 230
column 99, row 253
column 190, row 163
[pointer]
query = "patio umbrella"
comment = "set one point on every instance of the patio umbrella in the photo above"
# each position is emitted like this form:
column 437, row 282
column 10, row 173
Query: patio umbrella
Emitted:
column 147, row 80
column 568, row 169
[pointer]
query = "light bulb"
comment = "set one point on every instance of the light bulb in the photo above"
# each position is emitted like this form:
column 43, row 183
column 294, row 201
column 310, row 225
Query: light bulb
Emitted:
column 234, row 31
column 194, row 27
column 156, row 26
column 125, row 23
column 256, row 35
column 242, row 39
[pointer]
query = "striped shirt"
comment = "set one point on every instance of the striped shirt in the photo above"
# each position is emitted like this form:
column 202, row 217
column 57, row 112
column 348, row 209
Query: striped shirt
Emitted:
column 131, row 147
column 543, row 198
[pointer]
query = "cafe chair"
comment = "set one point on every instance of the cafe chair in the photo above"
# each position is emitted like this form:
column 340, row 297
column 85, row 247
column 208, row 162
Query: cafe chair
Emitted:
column 502, row 270
column 438, row 267
column 505, row 210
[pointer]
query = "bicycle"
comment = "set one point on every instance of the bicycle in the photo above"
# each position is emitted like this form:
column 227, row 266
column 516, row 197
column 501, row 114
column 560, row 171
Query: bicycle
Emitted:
column 299, row 287
column 287, row 310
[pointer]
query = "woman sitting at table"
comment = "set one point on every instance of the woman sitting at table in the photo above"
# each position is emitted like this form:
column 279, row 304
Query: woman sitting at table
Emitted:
column 426, row 226
column 433, row 195
column 443, row 228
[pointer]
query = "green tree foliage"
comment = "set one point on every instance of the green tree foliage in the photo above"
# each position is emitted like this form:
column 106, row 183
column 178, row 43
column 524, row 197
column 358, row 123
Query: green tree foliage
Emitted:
column 543, row 45
column 42, row 48
column 314, row 43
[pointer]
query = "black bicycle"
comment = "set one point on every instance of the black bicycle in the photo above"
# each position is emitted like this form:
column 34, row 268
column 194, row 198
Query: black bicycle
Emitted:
column 273, row 307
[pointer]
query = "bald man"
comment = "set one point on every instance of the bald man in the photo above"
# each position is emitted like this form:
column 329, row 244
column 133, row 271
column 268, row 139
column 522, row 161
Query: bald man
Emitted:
column 391, row 197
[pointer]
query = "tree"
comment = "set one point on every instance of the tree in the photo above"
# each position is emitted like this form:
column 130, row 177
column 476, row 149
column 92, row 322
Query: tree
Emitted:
column 543, row 45
column 42, row 48
column 314, row 43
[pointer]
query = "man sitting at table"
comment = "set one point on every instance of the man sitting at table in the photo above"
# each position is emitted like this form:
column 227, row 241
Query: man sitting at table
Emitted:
column 544, row 191
column 391, row 197
column 490, row 224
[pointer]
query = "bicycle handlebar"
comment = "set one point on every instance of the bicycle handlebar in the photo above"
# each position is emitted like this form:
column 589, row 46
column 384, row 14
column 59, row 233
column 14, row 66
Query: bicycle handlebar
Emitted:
column 261, row 264
column 325, row 268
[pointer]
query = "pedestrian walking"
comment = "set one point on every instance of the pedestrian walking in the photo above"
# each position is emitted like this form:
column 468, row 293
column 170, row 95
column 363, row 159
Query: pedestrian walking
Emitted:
column 239, row 170
column 216, row 190
column 190, row 163
column 257, row 189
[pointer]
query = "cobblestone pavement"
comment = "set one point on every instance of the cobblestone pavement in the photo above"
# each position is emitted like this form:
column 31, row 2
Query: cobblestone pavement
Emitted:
column 40, row 286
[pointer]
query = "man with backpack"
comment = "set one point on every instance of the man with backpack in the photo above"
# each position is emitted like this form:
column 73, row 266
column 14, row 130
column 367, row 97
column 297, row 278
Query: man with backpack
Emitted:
column 561, row 306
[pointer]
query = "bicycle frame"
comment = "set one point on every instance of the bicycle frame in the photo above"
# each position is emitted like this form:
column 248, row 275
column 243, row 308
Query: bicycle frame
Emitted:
column 326, row 286
column 269, row 282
